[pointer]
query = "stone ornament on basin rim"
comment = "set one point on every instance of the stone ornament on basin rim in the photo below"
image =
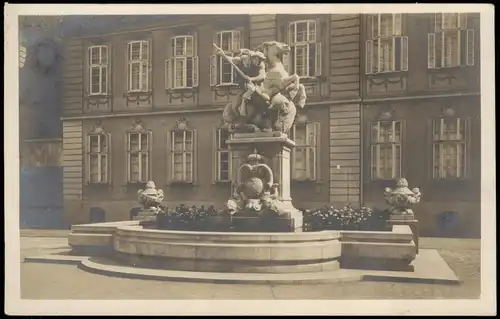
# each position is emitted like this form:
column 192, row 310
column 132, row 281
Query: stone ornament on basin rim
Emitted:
column 401, row 198
column 150, row 198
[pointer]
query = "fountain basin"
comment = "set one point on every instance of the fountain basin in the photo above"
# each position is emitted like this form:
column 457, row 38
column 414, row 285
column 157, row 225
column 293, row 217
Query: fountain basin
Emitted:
column 131, row 244
column 226, row 251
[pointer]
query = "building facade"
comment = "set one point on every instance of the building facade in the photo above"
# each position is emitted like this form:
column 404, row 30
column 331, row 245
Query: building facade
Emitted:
column 40, row 142
column 145, row 102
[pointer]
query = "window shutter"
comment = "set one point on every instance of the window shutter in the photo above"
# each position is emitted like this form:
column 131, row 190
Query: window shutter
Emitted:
column 108, row 158
column 397, row 24
column 317, row 164
column 402, row 148
column 291, row 33
column 236, row 41
column 397, row 54
column 430, row 148
column 286, row 62
column 369, row 57
column 168, row 74
column 127, row 154
column 369, row 149
column 194, row 158
column 374, row 25
column 404, row 54
column 149, row 161
column 431, row 50
column 195, row 44
column 462, row 58
column 213, row 70
column 462, row 21
column 470, row 47
column 317, row 60
column 438, row 22
column 109, row 70
column 438, row 49
column 215, row 151
column 88, row 158
column 468, row 141
column 88, row 89
column 195, row 71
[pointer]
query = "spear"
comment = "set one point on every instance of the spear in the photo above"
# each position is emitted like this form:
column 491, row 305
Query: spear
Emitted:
column 243, row 75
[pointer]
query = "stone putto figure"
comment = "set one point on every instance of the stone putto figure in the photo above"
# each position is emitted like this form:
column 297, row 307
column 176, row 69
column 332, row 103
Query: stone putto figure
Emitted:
column 401, row 198
column 270, row 95
column 150, row 198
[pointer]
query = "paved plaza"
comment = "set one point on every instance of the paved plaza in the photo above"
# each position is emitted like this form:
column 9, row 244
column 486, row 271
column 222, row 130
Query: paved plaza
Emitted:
column 56, row 281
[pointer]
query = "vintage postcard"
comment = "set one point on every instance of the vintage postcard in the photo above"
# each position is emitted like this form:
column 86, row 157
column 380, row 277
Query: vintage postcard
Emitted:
column 250, row 159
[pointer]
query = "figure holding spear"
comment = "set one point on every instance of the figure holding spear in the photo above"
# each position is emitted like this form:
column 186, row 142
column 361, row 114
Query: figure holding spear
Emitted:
column 251, row 70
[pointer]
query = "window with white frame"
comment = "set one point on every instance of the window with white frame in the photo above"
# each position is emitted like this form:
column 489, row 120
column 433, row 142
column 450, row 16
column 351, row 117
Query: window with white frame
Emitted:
column 304, row 154
column 181, row 70
column 449, row 147
column 182, row 155
column 305, row 56
column 98, row 69
column 98, row 145
column 138, row 156
column 221, row 71
column 452, row 43
column 386, row 48
column 222, row 159
column 138, row 66
column 386, row 144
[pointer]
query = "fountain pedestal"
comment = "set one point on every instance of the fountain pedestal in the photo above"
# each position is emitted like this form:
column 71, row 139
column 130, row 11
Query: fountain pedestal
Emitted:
column 275, row 149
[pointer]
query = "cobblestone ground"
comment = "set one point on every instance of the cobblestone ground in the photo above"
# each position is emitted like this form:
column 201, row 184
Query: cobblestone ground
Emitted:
column 49, row 281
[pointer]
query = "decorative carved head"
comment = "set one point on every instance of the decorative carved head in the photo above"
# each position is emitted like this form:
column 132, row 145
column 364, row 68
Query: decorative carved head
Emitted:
column 402, row 182
column 150, row 185
column 273, row 49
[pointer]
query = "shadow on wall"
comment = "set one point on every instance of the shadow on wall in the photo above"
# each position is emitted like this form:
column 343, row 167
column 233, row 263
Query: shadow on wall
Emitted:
column 40, row 198
column 97, row 215
column 448, row 223
column 134, row 212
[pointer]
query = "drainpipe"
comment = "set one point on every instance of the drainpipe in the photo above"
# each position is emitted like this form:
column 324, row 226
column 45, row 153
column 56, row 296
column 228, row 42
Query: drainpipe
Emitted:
column 361, row 103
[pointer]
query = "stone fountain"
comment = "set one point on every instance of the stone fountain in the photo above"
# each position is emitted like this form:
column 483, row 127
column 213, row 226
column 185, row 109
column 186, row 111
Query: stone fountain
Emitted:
column 260, row 153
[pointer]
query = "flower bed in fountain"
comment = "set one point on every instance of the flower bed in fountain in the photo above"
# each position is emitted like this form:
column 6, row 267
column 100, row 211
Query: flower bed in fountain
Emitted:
column 345, row 218
column 184, row 217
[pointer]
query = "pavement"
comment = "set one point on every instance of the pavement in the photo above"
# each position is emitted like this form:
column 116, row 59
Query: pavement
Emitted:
column 55, row 281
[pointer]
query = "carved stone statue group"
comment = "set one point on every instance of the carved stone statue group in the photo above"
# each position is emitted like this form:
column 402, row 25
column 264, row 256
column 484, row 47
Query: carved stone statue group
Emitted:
column 256, row 193
column 270, row 95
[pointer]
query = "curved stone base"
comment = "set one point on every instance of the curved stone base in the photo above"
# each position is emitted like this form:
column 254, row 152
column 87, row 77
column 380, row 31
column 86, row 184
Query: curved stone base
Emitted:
column 107, row 268
column 233, row 266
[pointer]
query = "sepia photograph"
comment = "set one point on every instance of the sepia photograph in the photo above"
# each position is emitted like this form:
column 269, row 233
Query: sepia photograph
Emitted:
column 297, row 159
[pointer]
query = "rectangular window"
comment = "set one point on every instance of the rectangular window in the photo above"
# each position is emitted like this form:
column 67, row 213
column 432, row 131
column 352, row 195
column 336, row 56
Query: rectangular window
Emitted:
column 305, row 55
column 386, row 50
column 222, row 155
column 386, row 150
column 98, row 70
column 221, row 71
column 98, row 158
column 182, row 155
column 451, row 44
column 304, row 154
column 181, row 70
column 449, row 148
column 138, row 152
column 138, row 66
